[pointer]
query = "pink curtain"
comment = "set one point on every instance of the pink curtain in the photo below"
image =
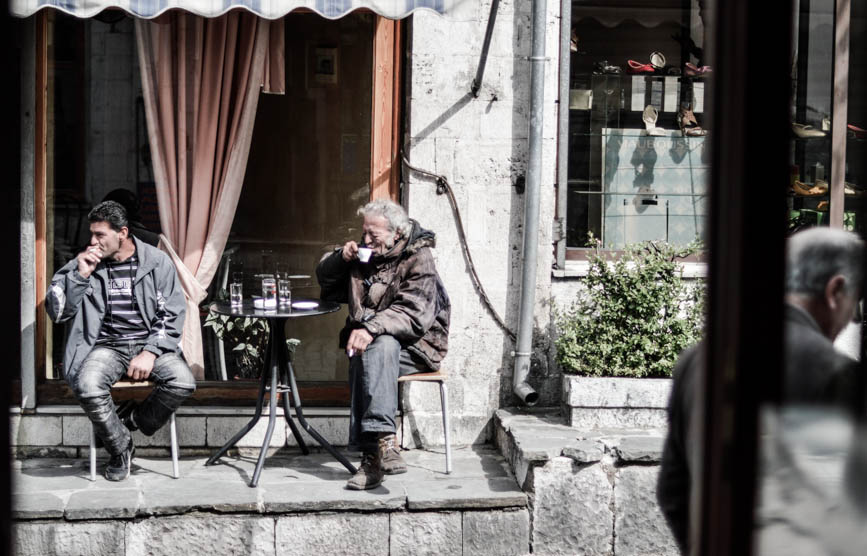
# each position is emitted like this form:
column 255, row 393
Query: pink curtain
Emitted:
column 201, row 80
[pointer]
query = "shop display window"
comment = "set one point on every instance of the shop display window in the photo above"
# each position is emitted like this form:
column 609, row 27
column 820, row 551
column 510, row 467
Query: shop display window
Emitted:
column 638, row 155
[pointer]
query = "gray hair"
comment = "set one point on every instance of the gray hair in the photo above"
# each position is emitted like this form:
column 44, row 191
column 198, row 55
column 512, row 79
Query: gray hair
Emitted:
column 398, row 221
column 816, row 255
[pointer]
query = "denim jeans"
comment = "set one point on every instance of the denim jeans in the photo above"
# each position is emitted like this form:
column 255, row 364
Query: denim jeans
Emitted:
column 105, row 365
column 373, row 389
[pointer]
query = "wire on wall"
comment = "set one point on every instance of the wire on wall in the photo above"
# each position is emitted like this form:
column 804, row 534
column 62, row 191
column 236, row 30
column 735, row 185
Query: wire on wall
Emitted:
column 443, row 187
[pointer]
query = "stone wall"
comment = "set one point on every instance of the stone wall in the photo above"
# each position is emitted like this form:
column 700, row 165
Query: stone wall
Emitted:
column 591, row 491
column 480, row 145
column 479, row 533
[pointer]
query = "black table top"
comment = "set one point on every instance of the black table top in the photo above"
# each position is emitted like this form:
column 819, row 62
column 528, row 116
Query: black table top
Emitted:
column 247, row 309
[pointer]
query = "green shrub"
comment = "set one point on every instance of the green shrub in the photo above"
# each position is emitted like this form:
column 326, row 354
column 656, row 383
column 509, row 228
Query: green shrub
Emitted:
column 635, row 315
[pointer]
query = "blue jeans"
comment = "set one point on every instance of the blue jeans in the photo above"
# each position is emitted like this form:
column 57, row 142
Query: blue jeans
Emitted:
column 373, row 389
column 105, row 365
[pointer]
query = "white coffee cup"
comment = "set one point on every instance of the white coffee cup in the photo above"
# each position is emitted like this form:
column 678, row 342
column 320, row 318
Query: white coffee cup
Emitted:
column 364, row 254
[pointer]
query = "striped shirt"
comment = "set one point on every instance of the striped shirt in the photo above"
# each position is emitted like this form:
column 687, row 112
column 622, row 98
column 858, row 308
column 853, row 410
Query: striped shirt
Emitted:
column 122, row 321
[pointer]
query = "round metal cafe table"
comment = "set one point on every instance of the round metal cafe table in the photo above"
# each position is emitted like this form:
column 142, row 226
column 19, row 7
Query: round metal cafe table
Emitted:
column 279, row 372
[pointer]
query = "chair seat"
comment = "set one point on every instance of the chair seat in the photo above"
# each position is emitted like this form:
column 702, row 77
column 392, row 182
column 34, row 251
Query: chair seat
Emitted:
column 437, row 376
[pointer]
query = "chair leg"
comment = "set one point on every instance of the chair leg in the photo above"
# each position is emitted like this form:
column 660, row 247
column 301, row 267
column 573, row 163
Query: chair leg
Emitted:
column 92, row 454
column 444, row 398
column 174, row 440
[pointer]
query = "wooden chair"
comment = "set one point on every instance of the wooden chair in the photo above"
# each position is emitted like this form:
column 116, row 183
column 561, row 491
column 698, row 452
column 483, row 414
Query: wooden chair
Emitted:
column 440, row 378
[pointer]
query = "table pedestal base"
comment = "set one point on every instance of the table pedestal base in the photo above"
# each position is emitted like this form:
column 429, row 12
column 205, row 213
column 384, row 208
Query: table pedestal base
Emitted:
column 279, row 365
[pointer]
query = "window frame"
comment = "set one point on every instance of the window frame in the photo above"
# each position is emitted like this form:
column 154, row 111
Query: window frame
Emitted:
column 388, row 66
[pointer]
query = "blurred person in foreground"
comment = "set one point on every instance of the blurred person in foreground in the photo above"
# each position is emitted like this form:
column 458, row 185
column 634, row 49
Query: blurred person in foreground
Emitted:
column 398, row 324
column 823, row 287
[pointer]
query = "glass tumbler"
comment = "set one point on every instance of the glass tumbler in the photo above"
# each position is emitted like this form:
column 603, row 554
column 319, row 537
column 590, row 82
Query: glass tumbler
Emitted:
column 269, row 293
column 284, row 291
column 236, row 294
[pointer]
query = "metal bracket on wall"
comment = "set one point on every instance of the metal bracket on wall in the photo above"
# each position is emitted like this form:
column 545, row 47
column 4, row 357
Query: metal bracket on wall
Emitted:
column 480, row 72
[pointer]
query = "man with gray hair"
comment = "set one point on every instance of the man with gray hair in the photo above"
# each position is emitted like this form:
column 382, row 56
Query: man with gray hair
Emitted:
column 398, row 324
column 823, row 285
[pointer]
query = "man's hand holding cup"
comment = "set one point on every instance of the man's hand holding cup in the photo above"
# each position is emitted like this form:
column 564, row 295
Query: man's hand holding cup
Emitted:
column 88, row 260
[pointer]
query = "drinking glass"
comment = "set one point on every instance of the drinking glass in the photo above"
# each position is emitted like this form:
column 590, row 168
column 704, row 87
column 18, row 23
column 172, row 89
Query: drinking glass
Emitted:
column 236, row 295
column 269, row 292
column 285, row 291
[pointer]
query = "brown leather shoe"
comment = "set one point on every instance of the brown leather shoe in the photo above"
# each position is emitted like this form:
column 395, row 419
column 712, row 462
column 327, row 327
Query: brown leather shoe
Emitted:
column 392, row 461
column 369, row 474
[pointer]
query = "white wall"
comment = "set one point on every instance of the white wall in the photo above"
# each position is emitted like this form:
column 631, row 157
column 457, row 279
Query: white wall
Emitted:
column 481, row 146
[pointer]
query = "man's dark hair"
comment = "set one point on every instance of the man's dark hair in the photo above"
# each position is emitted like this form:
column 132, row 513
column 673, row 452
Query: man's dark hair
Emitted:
column 111, row 212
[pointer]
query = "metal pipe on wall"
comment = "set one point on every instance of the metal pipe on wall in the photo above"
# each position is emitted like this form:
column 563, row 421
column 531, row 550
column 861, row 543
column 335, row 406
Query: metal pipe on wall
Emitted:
column 524, row 347
column 563, row 129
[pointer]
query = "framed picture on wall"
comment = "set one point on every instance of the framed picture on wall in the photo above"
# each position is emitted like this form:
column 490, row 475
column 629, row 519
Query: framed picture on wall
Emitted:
column 322, row 66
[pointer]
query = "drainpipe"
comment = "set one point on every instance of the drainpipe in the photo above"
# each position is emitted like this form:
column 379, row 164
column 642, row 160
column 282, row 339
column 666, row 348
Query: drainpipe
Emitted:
column 531, row 211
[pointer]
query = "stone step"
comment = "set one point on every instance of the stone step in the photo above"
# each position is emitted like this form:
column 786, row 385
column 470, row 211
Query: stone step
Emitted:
column 592, row 491
column 301, row 506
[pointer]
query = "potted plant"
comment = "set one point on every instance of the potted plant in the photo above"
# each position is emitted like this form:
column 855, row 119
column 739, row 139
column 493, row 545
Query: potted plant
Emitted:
column 247, row 338
column 631, row 320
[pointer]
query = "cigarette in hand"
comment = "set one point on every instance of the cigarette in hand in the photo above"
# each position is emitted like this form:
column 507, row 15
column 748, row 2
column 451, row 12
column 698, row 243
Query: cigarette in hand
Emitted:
column 350, row 352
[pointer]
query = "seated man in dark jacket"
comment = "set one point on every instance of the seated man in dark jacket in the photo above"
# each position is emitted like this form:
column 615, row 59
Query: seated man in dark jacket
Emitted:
column 823, row 286
column 398, row 324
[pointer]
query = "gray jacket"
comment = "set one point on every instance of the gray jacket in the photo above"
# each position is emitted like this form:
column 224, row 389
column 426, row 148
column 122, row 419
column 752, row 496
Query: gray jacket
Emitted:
column 81, row 303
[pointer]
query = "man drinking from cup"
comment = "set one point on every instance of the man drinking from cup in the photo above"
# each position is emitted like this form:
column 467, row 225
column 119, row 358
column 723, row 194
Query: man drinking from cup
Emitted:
column 398, row 324
column 125, row 312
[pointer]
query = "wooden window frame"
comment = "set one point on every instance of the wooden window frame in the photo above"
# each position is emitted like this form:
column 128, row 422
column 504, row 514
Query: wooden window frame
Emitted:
column 387, row 110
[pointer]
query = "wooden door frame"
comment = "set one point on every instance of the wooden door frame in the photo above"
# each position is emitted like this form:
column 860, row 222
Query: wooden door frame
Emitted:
column 388, row 61
column 386, row 109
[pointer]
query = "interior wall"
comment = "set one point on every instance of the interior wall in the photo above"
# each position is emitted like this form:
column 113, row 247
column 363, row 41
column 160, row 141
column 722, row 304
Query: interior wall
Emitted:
column 309, row 171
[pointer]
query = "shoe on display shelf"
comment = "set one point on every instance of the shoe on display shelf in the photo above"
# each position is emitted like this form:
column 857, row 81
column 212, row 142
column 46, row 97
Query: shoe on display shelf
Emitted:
column 803, row 131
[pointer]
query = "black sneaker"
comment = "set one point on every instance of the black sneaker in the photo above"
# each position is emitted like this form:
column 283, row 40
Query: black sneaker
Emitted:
column 119, row 465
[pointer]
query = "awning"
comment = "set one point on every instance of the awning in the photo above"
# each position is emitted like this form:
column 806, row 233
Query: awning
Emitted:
column 269, row 9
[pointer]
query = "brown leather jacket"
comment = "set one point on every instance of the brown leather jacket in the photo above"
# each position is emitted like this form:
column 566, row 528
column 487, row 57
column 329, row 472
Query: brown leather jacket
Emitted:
column 399, row 294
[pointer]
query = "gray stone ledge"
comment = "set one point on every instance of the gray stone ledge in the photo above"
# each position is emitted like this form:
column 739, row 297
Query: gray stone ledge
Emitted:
column 498, row 492
column 108, row 503
column 585, row 451
column 640, row 449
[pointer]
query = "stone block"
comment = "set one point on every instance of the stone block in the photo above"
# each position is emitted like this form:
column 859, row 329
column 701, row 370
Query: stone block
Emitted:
column 221, row 429
column 221, row 493
column 200, row 536
column 35, row 430
column 620, row 392
column 584, row 451
column 56, row 537
column 572, row 510
column 109, row 503
column 76, row 430
column 481, row 493
column 329, row 495
column 639, row 526
column 426, row 534
column 334, row 429
column 640, row 449
column 37, row 505
column 192, row 431
column 350, row 534
column 585, row 418
column 426, row 430
column 495, row 533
